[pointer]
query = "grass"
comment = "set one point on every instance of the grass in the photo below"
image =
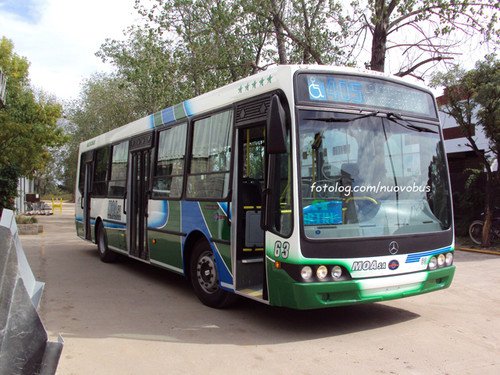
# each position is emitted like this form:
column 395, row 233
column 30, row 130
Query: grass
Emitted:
column 23, row 219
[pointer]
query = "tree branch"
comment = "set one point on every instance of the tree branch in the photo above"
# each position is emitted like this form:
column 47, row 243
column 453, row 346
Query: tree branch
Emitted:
column 426, row 61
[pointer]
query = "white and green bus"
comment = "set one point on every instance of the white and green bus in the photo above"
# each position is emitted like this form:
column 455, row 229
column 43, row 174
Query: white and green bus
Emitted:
column 301, row 186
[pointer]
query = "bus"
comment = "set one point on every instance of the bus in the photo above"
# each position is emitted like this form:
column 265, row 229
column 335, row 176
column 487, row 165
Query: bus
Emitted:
column 301, row 186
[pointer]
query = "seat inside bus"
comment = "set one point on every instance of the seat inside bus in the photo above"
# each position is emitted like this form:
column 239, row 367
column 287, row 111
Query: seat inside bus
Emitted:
column 251, row 199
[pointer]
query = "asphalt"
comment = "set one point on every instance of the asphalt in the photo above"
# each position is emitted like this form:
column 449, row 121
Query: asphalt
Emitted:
column 130, row 318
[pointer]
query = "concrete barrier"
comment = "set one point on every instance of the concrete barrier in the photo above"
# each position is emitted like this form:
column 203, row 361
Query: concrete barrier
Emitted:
column 24, row 345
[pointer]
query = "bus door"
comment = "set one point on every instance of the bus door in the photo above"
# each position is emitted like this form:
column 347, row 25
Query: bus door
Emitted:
column 86, row 168
column 138, row 195
column 263, row 165
column 250, row 266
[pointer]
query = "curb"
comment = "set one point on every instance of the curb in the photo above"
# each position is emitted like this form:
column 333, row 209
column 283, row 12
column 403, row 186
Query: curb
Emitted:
column 470, row 250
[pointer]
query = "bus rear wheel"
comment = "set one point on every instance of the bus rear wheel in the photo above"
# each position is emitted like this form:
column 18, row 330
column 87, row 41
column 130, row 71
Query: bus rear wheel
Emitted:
column 205, row 279
column 105, row 253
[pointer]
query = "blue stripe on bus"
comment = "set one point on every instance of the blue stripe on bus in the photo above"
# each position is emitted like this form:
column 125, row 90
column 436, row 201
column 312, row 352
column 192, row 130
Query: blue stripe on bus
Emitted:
column 167, row 115
column 192, row 219
column 107, row 224
column 414, row 258
column 187, row 108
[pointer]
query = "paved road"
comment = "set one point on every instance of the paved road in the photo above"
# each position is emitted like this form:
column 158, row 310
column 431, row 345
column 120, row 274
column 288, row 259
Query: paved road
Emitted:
column 129, row 318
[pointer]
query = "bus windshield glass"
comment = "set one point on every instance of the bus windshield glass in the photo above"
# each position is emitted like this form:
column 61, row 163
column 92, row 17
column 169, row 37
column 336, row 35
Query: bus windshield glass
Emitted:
column 371, row 175
column 356, row 91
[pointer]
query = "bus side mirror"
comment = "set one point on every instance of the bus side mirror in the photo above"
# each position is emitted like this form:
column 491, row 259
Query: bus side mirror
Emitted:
column 276, row 127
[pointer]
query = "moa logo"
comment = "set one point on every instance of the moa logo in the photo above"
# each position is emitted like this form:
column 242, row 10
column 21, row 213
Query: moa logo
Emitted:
column 368, row 265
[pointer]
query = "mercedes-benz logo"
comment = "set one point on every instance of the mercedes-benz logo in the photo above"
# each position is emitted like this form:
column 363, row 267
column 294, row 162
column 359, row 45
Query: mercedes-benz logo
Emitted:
column 393, row 247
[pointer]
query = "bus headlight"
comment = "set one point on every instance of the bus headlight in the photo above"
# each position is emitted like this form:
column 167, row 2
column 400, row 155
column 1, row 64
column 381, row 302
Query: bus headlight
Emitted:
column 336, row 272
column 440, row 260
column 449, row 259
column 306, row 272
column 433, row 263
column 321, row 272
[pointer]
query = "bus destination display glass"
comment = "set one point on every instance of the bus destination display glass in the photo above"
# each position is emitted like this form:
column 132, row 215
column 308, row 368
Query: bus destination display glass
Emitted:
column 366, row 92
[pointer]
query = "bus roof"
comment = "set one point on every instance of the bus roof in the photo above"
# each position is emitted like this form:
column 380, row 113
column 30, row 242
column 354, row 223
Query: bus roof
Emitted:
column 278, row 77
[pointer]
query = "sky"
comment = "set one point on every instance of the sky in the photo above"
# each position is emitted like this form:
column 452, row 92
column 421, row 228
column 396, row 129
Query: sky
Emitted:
column 60, row 38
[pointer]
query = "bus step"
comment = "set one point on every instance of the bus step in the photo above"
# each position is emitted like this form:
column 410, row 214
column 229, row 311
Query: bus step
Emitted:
column 255, row 291
column 253, row 260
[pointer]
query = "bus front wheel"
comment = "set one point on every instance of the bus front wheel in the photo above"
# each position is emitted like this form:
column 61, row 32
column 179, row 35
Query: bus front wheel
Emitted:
column 205, row 279
column 105, row 253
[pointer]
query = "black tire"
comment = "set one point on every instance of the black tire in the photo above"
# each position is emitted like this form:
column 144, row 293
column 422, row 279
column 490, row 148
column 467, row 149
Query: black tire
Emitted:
column 476, row 232
column 106, row 255
column 205, row 279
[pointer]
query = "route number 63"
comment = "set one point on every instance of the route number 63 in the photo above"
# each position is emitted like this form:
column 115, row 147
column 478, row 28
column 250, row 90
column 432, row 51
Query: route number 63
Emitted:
column 281, row 249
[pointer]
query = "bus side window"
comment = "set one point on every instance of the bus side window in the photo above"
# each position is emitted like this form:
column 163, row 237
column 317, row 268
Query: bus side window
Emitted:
column 169, row 170
column 118, row 173
column 211, row 157
column 99, row 185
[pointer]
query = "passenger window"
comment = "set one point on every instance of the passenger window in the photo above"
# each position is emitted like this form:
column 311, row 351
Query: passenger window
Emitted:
column 100, row 172
column 118, row 174
column 169, row 170
column 211, row 157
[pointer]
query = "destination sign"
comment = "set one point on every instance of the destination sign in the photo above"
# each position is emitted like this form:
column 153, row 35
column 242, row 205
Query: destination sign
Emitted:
column 366, row 92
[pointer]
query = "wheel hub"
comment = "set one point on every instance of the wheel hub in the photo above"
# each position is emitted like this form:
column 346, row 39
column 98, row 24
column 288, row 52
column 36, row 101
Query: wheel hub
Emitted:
column 206, row 273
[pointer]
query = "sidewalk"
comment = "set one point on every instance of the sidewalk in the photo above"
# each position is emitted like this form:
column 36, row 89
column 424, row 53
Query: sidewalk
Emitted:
column 465, row 244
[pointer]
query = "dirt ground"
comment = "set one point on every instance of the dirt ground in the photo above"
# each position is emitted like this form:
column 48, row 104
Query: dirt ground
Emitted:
column 130, row 318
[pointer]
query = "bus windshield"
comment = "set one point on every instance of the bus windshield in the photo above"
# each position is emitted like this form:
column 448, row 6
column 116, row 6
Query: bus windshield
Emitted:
column 370, row 175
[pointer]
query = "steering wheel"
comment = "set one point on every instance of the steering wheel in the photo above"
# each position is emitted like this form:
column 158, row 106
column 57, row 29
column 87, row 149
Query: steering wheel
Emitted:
column 366, row 207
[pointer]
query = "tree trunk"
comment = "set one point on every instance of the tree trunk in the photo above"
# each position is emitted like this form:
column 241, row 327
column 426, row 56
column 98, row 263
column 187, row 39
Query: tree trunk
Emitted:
column 488, row 212
column 379, row 41
column 280, row 40
column 378, row 49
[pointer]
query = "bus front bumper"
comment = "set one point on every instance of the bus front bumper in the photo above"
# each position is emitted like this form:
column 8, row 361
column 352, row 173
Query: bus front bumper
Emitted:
column 284, row 291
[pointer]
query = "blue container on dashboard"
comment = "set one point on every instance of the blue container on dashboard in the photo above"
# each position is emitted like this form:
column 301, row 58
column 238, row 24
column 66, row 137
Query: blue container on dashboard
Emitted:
column 323, row 213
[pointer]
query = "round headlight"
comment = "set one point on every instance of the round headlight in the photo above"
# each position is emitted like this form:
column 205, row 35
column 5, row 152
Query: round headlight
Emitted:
column 441, row 259
column 306, row 272
column 321, row 272
column 433, row 263
column 449, row 259
column 336, row 272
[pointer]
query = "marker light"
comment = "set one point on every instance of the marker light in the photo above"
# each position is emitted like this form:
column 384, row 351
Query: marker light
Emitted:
column 433, row 263
column 336, row 272
column 306, row 272
column 441, row 259
column 449, row 259
column 321, row 272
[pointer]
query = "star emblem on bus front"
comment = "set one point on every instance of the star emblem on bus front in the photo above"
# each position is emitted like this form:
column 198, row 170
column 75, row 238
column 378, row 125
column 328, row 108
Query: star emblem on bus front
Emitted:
column 393, row 247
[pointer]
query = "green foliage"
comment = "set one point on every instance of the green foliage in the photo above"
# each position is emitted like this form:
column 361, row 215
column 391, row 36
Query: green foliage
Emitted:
column 9, row 175
column 105, row 102
column 485, row 83
column 28, row 121
column 473, row 99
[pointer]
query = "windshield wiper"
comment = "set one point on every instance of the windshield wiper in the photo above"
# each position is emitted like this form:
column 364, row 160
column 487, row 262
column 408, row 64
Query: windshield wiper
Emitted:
column 336, row 119
column 408, row 125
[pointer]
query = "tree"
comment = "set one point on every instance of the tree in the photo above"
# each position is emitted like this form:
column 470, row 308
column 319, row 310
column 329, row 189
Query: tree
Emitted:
column 233, row 34
column 473, row 99
column 106, row 102
column 8, row 186
column 144, row 63
column 28, row 121
column 437, row 27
